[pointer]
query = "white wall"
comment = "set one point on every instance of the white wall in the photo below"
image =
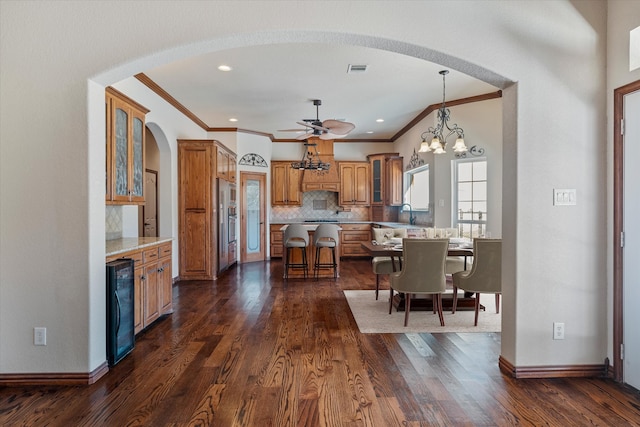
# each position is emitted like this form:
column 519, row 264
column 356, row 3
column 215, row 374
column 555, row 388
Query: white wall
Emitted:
column 553, row 128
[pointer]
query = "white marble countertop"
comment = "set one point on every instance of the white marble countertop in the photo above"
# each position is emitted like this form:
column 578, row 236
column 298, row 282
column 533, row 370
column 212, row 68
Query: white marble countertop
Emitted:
column 126, row 244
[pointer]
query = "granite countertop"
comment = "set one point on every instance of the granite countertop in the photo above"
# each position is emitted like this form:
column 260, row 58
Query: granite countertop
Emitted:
column 341, row 221
column 126, row 244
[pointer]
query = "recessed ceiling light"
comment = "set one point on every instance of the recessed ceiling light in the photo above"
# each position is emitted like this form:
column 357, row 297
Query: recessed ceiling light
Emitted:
column 225, row 68
column 233, row 119
column 380, row 120
column 369, row 131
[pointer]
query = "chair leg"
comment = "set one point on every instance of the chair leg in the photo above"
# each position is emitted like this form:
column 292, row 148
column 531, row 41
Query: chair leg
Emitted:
column 475, row 322
column 377, row 285
column 438, row 300
column 454, row 305
column 286, row 263
column 316, row 264
column 497, row 303
column 304, row 261
column 390, row 299
column 407, row 308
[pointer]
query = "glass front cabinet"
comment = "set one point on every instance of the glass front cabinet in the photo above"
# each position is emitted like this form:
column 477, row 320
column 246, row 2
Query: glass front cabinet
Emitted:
column 125, row 149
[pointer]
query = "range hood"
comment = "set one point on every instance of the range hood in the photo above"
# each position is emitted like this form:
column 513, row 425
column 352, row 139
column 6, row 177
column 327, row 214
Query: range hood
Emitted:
column 327, row 180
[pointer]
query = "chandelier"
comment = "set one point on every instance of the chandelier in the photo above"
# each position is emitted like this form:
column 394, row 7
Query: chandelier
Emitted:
column 438, row 140
column 310, row 159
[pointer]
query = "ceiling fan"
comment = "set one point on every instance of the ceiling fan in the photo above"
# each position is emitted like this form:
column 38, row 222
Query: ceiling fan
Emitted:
column 327, row 129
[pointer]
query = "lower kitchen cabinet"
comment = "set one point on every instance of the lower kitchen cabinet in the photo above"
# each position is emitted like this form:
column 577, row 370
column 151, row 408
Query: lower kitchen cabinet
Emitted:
column 351, row 237
column 153, row 283
column 275, row 241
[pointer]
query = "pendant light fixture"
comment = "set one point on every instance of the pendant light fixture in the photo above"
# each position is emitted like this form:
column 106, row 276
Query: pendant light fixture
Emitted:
column 434, row 139
column 310, row 159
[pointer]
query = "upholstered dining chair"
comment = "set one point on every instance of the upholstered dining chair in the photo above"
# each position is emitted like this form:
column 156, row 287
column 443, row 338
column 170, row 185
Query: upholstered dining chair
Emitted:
column 384, row 264
column 423, row 272
column 326, row 236
column 485, row 276
column 295, row 236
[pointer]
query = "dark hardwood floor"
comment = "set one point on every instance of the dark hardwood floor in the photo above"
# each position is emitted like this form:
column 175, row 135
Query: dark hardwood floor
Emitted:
column 250, row 350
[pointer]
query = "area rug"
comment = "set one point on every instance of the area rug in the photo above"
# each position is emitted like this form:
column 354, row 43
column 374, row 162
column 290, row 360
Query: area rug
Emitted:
column 373, row 316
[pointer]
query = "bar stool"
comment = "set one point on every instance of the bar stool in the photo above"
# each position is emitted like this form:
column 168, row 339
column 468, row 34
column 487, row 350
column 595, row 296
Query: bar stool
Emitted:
column 295, row 236
column 326, row 236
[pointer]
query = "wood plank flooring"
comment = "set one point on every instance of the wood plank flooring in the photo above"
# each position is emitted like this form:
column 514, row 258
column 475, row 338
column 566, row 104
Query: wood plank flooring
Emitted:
column 250, row 350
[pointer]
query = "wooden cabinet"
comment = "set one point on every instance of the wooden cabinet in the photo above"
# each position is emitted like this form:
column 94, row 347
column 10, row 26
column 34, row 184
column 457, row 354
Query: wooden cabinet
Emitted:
column 200, row 162
column 285, row 184
column 165, row 279
column 197, row 231
column 124, row 149
column 225, row 163
column 354, row 183
column 153, row 283
column 386, row 179
column 351, row 237
column 275, row 240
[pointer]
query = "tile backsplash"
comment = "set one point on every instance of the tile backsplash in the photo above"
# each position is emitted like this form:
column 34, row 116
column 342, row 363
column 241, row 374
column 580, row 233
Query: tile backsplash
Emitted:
column 113, row 222
column 318, row 205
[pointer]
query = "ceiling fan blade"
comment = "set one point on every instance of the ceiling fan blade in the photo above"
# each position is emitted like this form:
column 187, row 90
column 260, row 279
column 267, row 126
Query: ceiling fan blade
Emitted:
column 291, row 130
column 337, row 127
column 304, row 136
column 329, row 135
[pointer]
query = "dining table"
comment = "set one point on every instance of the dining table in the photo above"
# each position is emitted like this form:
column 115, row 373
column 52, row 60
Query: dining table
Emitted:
column 394, row 251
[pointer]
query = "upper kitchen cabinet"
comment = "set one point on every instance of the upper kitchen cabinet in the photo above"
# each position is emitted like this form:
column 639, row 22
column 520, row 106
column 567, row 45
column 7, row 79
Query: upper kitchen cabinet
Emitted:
column 225, row 163
column 386, row 179
column 354, row 183
column 125, row 121
column 285, row 184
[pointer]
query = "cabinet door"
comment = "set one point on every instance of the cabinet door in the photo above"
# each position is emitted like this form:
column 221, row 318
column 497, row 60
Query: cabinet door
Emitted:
column 138, row 299
column 394, row 181
column 377, row 189
column 222, row 164
column 120, row 132
column 232, row 168
column 361, row 184
column 347, row 184
column 165, row 285
column 107, row 169
column 136, row 172
column 151, row 294
column 294, row 196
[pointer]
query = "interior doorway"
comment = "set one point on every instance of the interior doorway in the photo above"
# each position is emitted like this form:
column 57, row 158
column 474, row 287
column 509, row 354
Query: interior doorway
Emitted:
column 150, row 207
column 626, row 234
column 253, row 212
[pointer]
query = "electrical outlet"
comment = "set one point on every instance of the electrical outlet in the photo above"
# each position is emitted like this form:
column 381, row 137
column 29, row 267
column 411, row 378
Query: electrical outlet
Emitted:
column 558, row 331
column 40, row 336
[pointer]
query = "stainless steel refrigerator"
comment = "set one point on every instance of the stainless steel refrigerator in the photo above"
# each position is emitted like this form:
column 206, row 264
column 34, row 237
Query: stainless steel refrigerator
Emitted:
column 226, row 224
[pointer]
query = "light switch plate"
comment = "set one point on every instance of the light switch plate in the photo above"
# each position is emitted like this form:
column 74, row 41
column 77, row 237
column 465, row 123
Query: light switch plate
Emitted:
column 564, row 196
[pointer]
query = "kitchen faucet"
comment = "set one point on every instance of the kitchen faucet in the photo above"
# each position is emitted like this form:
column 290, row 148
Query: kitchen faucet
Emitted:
column 412, row 219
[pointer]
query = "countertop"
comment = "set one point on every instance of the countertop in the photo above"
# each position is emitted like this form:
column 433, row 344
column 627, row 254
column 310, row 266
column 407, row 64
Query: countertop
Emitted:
column 340, row 221
column 126, row 244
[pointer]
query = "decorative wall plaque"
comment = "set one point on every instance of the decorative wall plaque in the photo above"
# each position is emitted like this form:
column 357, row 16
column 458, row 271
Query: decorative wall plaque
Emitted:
column 253, row 159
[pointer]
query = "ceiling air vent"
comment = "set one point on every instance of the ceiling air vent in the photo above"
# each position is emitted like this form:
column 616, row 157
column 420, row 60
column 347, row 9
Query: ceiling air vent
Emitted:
column 356, row 68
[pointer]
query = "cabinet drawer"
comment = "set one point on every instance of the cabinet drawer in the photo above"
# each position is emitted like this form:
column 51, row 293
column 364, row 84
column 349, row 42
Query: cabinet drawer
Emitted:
column 351, row 227
column 164, row 250
column 355, row 237
column 135, row 256
column 150, row 255
column 353, row 249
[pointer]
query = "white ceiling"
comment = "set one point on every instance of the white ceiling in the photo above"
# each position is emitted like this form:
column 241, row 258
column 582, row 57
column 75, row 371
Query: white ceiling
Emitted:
column 272, row 86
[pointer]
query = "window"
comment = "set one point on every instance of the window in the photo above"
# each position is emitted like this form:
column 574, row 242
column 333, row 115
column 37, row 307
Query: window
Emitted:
column 470, row 196
column 416, row 188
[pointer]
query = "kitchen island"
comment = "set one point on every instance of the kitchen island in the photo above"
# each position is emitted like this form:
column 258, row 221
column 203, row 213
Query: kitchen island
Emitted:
column 325, row 257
